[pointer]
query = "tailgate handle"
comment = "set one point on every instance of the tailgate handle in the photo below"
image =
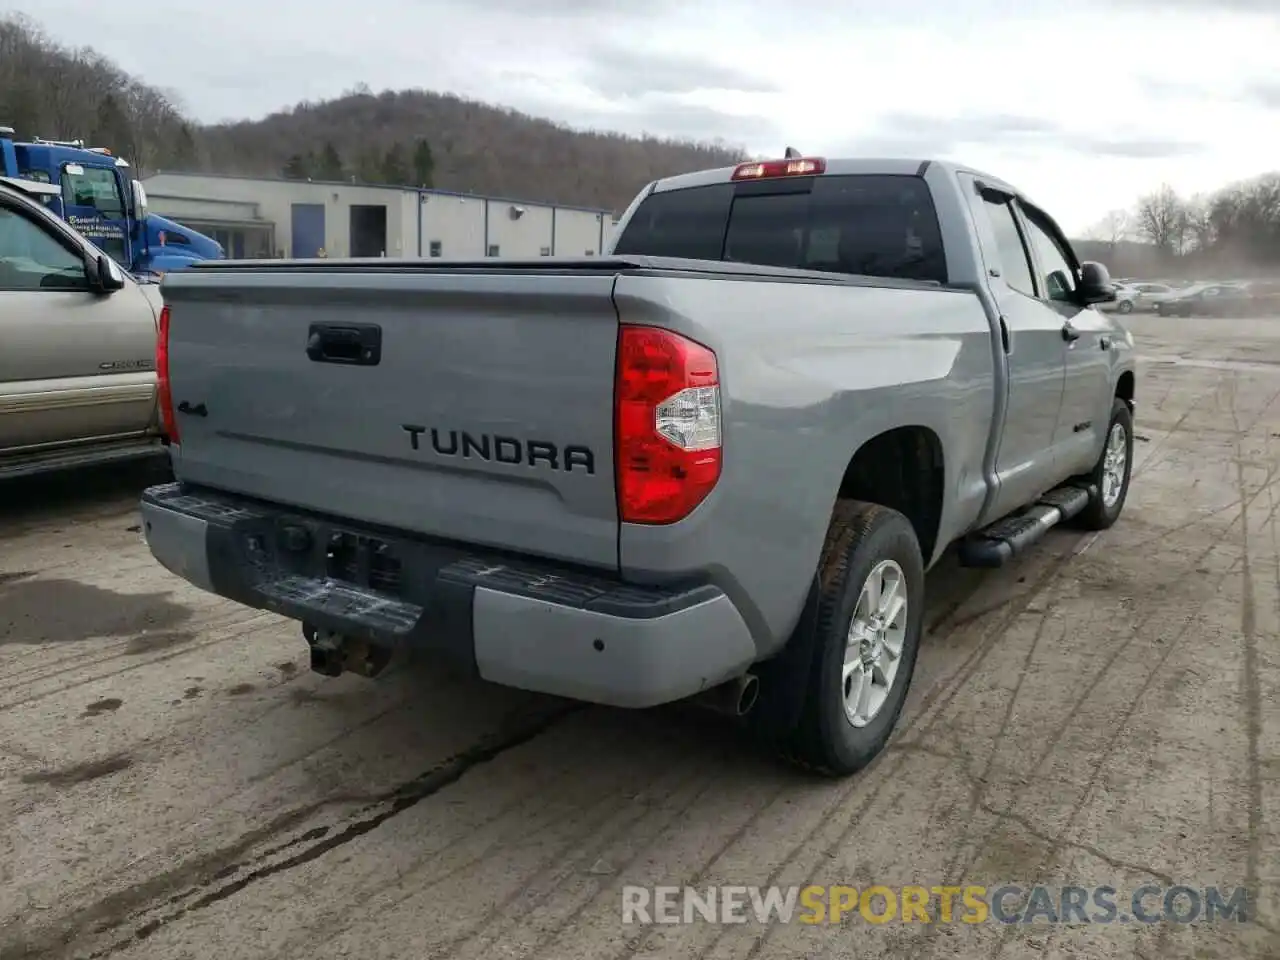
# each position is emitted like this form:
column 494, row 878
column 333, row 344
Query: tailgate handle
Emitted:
column 359, row 344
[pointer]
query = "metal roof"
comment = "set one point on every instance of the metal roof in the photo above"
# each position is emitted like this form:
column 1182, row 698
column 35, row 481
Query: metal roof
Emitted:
column 381, row 186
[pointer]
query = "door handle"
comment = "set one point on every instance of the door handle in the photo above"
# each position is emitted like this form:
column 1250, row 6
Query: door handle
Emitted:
column 1070, row 333
column 1104, row 342
column 358, row 344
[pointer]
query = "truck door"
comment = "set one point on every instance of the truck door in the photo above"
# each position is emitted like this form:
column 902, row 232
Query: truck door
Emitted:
column 1035, row 352
column 1087, row 391
column 75, row 365
column 95, row 206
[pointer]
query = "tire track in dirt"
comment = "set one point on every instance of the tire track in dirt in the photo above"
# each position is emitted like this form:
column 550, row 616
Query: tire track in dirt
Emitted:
column 940, row 695
column 1249, row 633
column 1100, row 760
column 223, row 636
column 217, row 617
column 1108, row 749
column 542, row 784
column 977, row 790
column 935, row 707
column 380, row 808
column 640, row 941
column 936, row 700
column 1183, row 527
column 506, row 917
column 1155, row 456
column 595, row 818
column 1250, row 680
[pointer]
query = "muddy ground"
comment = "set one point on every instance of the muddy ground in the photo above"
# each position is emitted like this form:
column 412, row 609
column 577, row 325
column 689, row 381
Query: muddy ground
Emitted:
column 174, row 783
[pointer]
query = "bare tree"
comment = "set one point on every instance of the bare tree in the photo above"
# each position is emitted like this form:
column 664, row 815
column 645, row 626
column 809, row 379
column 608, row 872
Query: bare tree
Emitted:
column 1198, row 234
column 1109, row 233
column 1161, row 219
column 1113, row 228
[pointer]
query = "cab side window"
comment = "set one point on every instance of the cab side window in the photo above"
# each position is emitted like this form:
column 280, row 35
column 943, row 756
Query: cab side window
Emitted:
column 1057, row 278
column 1015, row 264
column 94, row 187
column 32, row 258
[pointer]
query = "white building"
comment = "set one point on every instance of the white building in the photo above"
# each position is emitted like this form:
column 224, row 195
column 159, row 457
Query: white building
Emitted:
column 299, row 218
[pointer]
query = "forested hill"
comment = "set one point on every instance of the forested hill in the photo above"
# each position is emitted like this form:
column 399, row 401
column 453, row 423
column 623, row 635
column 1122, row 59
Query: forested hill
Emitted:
column 468, row 147
column 415, row 137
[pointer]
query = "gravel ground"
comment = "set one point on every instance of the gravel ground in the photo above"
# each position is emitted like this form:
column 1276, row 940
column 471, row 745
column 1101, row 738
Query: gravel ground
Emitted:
column 176, row 784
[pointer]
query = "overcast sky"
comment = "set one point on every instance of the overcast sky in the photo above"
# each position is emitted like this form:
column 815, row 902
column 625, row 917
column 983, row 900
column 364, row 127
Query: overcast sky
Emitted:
column 1082, row 104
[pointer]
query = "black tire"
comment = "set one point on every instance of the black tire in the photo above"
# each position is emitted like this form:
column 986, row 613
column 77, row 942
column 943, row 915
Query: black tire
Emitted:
column 1099, row 515
column 1126, row 307
column 860, row 537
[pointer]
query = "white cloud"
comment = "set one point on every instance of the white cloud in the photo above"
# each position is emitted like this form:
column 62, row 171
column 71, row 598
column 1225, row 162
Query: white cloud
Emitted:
column 1126, row 93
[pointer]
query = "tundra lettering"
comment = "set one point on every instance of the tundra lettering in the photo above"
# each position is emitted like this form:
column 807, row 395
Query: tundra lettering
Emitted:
column 503, row 449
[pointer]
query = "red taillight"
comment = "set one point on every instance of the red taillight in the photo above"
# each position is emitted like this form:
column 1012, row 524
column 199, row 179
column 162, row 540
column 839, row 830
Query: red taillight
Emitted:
column 766, row 169
column 168, row 422
column 667, row 425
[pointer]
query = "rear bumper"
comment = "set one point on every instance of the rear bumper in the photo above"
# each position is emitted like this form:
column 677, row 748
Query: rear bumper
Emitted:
column 519, row 622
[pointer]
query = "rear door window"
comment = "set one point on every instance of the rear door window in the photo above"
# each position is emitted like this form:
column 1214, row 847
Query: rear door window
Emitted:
column 873, row 225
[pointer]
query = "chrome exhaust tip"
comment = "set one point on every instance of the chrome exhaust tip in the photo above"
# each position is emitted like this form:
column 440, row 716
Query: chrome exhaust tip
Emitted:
column 735, row 698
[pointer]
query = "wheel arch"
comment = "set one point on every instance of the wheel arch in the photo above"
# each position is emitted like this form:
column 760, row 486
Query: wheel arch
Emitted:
column 902, row 468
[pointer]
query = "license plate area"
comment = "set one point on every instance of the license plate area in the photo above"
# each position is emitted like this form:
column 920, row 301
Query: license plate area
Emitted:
column 363, row 561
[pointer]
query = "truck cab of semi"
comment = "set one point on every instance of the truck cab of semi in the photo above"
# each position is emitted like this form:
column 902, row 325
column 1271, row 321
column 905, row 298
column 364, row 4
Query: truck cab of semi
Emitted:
column 100, row 198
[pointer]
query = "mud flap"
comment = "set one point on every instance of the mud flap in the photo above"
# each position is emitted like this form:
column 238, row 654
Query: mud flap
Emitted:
column 785, row 678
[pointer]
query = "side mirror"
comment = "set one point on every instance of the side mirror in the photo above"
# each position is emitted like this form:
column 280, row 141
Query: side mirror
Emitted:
column 1095, row 284
column 104, row 274
column 1058, row 285
column 139, row 200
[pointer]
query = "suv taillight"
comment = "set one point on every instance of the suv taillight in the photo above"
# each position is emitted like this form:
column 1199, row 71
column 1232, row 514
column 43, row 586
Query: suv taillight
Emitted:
column 667, row 440
column 168, row 422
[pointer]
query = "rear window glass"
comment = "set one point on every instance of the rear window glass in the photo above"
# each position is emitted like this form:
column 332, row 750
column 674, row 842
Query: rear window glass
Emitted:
column 874, row 225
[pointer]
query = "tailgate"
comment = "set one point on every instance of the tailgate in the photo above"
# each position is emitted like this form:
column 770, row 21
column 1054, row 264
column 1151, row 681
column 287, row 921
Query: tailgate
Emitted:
column 487, row 417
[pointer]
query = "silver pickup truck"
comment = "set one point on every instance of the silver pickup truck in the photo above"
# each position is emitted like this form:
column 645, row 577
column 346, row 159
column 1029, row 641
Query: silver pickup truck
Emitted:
column 77, row 345
column 714, row 462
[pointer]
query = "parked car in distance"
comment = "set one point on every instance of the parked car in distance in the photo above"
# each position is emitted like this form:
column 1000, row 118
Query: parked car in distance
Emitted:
column 1207, row 300
column 1125, row 301
column 1264, row 296
column 77, row 344
column 715, row 462
column 1137, row 296
column 1149, row 288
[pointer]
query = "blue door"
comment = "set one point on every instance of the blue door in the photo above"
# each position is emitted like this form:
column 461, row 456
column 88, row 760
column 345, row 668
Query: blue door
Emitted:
column 307, row 229
column 93, row 203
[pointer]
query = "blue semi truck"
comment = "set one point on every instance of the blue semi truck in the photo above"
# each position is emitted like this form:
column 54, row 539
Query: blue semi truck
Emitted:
column 100, row 198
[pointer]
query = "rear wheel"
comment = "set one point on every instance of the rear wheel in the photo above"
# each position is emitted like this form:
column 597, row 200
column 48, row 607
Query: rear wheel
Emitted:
column 870, row 617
